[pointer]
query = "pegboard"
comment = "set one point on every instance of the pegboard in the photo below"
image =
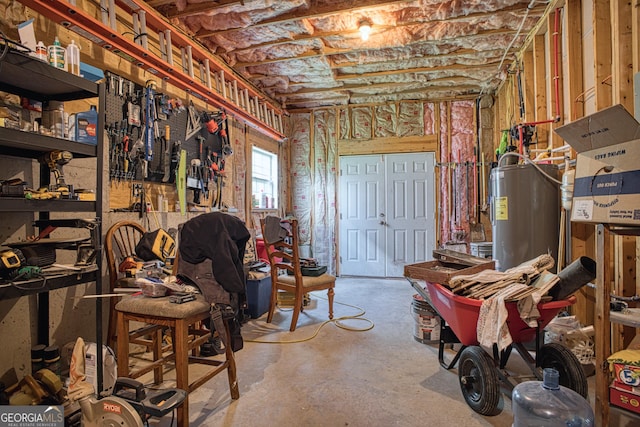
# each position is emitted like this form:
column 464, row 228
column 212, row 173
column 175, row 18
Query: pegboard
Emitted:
column 119, row 93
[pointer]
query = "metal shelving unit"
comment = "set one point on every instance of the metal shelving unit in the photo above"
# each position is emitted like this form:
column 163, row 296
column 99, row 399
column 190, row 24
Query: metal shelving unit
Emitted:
column 603, row 320
column 23, row 75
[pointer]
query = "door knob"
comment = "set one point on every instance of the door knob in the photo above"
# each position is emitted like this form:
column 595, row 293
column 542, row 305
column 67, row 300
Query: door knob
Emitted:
column 383, row 223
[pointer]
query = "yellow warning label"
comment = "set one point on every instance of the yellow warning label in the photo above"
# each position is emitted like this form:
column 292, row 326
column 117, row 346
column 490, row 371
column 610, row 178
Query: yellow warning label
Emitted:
column 502, row 208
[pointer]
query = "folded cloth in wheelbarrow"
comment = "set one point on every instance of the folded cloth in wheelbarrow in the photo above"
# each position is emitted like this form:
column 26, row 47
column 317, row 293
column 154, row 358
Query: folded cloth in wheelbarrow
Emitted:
column 492, row 320
column 499, row 287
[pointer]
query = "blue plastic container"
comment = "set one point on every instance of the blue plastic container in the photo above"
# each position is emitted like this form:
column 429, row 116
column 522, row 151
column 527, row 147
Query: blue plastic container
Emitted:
column 547, row 403
column 87, row 126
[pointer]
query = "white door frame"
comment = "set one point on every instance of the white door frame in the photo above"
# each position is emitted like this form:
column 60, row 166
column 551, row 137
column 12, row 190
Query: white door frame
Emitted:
column 383, row 236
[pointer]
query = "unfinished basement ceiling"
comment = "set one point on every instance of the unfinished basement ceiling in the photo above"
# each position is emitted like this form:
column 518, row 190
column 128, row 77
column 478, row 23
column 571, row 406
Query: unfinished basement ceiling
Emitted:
column 308, row 53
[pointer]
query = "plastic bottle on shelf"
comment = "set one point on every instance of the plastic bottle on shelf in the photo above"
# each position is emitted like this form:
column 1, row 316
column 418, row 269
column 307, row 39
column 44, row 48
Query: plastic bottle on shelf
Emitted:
column 53, row 118
column 59, row 124
column 41, row 52
column 73, row 58
column 57, row 54
column 86, row 126
column 547, row 403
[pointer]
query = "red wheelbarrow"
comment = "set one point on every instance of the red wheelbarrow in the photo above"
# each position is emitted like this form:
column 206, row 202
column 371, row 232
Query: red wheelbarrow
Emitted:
column 481, row 375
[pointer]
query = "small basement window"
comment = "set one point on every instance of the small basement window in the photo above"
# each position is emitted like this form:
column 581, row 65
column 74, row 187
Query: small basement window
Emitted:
column 264, row 179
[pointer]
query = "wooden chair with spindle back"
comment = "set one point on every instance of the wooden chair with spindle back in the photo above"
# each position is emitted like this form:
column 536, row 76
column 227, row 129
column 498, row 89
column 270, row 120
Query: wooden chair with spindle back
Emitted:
column 284, row 258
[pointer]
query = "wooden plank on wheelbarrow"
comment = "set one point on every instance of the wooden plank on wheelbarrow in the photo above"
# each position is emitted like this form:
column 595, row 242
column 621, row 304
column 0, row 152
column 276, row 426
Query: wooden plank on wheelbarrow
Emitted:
column 455, row 257
column 440, row 272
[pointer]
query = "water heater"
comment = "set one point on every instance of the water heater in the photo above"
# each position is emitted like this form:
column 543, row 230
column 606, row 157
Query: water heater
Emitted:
column 525, row 213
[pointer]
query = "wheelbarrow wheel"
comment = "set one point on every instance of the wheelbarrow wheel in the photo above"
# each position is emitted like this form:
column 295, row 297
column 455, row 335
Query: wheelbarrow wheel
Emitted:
column 559, row 357
column 479, row 381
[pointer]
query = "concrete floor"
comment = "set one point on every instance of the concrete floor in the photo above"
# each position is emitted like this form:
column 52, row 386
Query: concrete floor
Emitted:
column 380, row 377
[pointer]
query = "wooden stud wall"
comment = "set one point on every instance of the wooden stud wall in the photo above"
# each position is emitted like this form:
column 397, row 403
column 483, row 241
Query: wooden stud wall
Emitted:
column 582, row 243
column 539, row 77
column 602, row 60
column 555, row 64
column 622, row 93
column 615, row 48
column 573, row 74
column 529, row 81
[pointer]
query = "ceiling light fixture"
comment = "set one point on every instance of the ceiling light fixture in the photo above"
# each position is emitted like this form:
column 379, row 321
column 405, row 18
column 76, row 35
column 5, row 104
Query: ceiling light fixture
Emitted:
column 364, row 26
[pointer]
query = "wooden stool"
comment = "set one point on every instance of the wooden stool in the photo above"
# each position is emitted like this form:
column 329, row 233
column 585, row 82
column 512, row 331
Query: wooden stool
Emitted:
column 184, row 321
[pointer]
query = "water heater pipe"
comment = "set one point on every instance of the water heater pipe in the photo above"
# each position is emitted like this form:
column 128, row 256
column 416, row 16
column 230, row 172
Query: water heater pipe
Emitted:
column 565, row 147
column 556, row 77
column 527, row 160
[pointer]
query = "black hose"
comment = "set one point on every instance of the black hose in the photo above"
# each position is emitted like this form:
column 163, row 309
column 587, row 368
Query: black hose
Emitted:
column 520, row 94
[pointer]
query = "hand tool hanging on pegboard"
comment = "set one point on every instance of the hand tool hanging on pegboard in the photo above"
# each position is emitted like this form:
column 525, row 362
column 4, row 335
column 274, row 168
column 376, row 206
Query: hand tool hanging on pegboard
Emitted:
column 195, row 179
column 149, row 120
column 193, row 122
column 226, row 151
column 166, row 155
column 125, row 152
column 112, row 132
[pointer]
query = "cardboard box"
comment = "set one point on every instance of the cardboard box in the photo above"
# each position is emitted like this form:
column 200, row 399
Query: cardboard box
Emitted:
column 627, row 374
column 625, row 387
column 624, row 400
column 607, row 181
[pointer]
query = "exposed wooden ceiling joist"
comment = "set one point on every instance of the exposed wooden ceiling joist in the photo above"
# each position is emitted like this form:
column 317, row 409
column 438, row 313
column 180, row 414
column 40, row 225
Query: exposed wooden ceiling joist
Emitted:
column 317, row 12
column 352, row 88
column 197, row 8
column 302, row 45
column 328, row 51
column 451, row 20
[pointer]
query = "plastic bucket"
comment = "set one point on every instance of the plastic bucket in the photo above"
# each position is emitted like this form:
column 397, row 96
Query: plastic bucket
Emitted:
column 426, row 328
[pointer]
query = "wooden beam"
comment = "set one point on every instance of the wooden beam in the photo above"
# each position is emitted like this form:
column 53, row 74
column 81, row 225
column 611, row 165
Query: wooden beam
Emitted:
column 602, row 341
column 421, row 70
column 327, row 51
column 635, row 25
column 539, row 78
column 528, row 85
column 330, row 9
column 207, row 7
column 554, row 32
column 158, row 3
column 468, row 92
column 573, row 75
column 452, row 55
column 622, row 54
column 325, row 34
column 582, row 235
column 622, row 93
column 325, row 10
column 513, row 88
column 602, row 53
column 409, row 144
column 459, row 80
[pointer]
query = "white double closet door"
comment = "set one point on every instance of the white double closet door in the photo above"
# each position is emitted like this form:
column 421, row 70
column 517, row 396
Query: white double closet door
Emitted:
column 386, row 213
